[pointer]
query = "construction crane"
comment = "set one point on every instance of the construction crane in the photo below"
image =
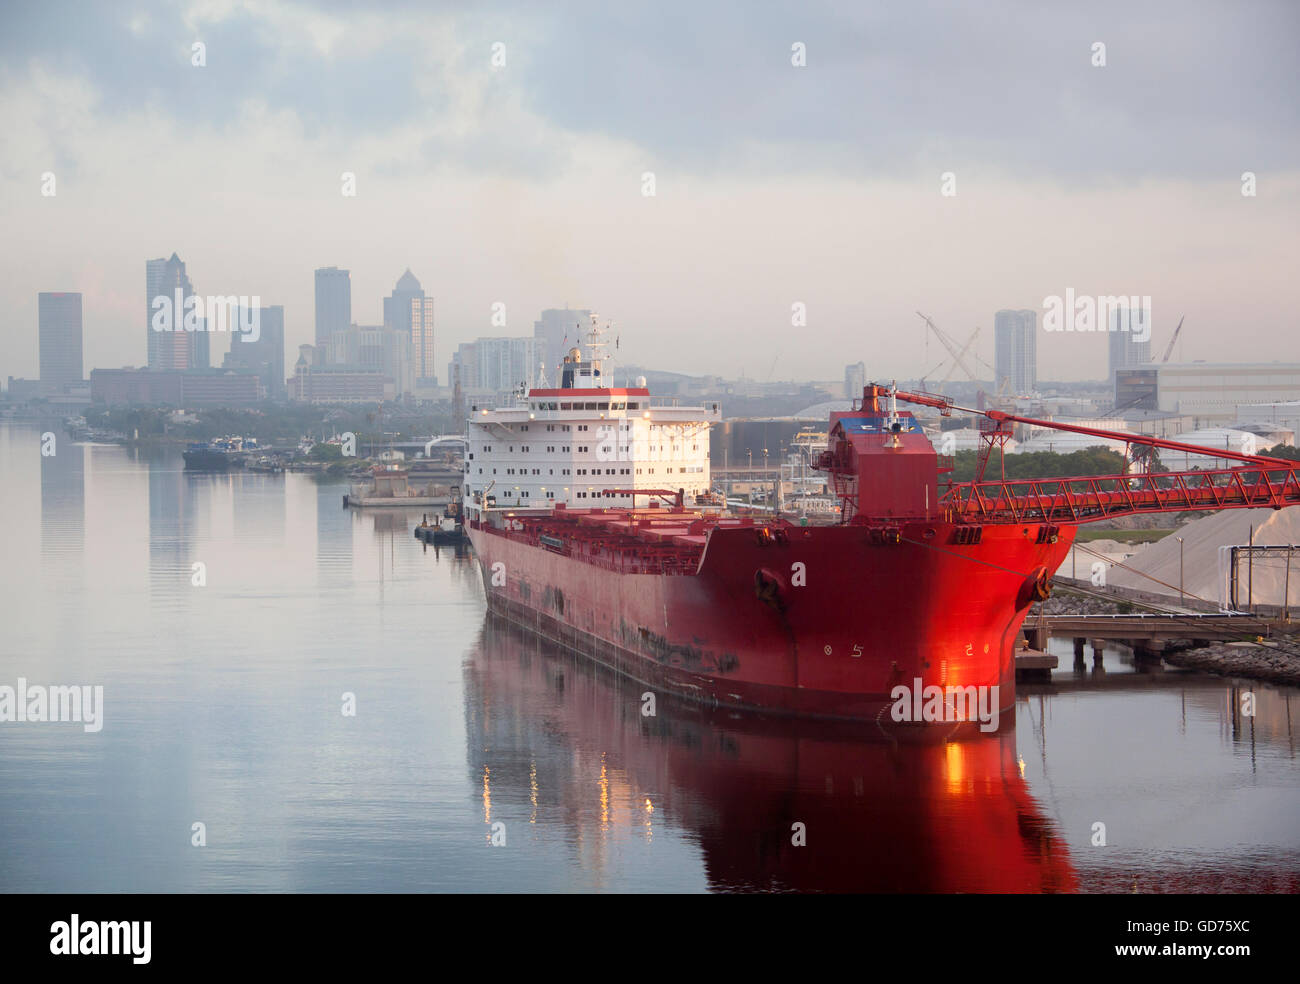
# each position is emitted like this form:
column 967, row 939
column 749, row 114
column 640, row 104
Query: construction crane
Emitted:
column 958, row 355
column 1170, row 349
column 953, row 366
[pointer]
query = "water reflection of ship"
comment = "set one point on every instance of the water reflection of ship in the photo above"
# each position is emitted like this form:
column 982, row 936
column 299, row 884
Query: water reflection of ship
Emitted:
column 550, row 734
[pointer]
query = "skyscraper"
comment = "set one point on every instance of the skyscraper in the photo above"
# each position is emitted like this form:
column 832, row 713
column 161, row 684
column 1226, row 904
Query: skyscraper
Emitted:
column 855, row 379
column 333, row 304
column 173, row 347
column 422, row 340
column 59, row 316
column 1127, row 325
column 496, row 365
column 153, row 278
column 408, row 310
column 558, row 331
column 1015, row 347
column 264, row 356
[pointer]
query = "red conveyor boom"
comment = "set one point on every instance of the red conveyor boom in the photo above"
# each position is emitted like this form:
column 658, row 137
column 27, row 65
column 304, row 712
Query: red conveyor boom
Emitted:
column 1262, row 482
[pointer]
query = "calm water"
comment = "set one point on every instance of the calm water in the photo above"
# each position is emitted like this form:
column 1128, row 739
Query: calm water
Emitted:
column 224, row 706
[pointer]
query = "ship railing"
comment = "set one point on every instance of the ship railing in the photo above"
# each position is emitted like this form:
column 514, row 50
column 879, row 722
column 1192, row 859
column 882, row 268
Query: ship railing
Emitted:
column 711, row 407
column 1085, row 499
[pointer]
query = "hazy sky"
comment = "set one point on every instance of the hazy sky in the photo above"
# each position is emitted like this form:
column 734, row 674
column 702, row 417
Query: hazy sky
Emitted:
column 774, row 184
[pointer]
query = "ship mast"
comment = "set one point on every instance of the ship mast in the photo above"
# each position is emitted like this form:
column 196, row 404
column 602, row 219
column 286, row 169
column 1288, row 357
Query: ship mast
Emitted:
column 596, row 351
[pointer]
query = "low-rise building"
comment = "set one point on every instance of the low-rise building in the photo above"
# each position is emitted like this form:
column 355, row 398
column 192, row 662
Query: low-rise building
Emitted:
column 176, row 387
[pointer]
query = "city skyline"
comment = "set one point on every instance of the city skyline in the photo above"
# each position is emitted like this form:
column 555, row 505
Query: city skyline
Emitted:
column 522, row 183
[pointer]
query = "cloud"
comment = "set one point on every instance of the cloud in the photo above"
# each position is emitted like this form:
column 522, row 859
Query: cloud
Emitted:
column 1188, row 88
column 776, row 184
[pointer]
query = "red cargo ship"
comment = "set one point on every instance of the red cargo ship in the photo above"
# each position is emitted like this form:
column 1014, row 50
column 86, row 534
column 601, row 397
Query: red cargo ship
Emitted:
column 922, row 584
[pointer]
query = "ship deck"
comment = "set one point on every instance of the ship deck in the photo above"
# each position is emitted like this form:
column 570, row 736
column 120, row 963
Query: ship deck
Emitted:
column 622, row 540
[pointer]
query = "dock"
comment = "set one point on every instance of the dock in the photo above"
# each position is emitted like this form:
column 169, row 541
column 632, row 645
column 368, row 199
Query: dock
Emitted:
column 354, row 501
column 1034, row 664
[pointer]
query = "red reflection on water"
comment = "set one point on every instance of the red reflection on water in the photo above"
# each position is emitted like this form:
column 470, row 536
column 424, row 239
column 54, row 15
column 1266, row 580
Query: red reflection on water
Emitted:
column 916, row 813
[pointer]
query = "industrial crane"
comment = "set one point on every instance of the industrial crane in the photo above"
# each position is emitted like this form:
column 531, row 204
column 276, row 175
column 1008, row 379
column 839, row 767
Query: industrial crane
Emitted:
column 1170, row 349
column 958, row 356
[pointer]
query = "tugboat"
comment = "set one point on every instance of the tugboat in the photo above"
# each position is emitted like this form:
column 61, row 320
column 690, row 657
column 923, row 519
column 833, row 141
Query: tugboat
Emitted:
column 447, row 528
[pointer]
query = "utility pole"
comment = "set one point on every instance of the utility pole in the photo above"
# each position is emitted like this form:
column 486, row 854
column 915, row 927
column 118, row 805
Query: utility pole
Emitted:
column 1181, row 595
column 1250, row 570
column 1286, row 586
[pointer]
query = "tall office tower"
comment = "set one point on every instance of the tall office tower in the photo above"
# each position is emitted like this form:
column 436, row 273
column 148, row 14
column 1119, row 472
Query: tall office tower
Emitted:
column 333, row 304
column 1127, row 325
column 1015, row 347
column 386, row 350
column 422, row 340
column 497, row 365
column 558, row 331
column 855, row 378
column 375, row 348
column 408, row 310
column 59, row 317
column 175, row 348
column 201, row 348
column 264, row 356
column 153, row 275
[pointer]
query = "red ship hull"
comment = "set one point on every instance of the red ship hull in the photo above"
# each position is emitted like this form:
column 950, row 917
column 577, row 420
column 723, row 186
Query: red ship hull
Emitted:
column 749, row 629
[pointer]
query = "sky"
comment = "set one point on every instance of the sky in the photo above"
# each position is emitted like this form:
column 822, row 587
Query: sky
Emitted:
column 500, row 151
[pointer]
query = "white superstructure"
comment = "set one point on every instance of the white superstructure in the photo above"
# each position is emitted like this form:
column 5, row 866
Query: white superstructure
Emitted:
column 576, row 443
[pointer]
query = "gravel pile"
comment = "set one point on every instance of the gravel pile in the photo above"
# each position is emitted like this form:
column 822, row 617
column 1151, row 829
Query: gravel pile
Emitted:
column 1201, row 573
column 1243, row 660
